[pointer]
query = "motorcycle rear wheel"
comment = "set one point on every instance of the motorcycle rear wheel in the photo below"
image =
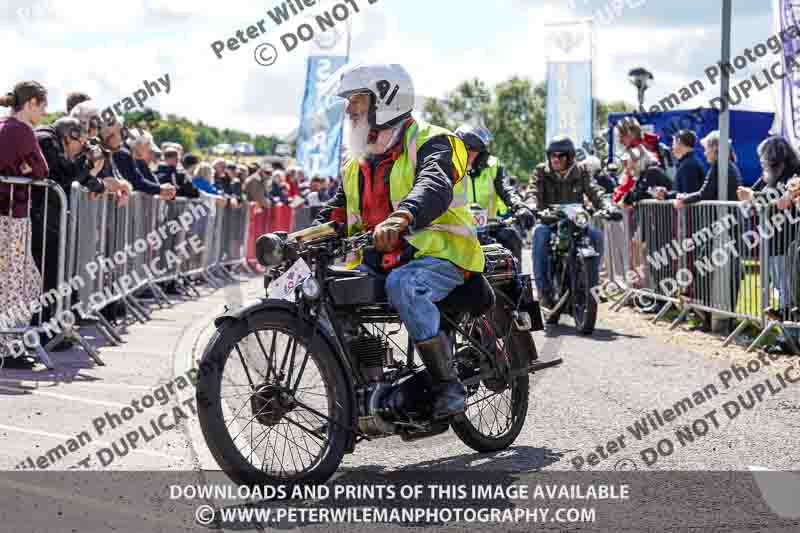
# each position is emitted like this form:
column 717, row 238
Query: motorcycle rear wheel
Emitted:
column 485, row 398
column 273, row 417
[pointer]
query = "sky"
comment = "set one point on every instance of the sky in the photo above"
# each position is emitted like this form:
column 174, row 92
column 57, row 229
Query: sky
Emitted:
column 108, row 49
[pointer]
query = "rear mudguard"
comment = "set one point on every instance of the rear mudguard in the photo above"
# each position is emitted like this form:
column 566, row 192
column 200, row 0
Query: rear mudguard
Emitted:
column 323, row 329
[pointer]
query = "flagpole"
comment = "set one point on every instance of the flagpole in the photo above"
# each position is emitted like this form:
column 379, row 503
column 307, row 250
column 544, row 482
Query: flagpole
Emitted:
column 349, row 27
column 725, row 114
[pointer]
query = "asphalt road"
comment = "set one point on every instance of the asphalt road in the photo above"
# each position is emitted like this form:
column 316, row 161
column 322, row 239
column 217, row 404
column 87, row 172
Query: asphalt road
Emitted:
column 609, row 401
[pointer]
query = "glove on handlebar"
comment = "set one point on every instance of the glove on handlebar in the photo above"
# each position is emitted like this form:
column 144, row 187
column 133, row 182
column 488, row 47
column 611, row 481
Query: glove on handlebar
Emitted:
column 524, row 214
column 386, row 236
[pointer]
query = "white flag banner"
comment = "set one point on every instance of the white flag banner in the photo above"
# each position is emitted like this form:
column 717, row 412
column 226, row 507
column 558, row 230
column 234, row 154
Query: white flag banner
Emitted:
column 570, row 81
column 568, row 42
column 329, row 40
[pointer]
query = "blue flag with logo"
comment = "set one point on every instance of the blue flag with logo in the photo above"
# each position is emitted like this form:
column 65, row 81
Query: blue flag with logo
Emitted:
column 319, row 138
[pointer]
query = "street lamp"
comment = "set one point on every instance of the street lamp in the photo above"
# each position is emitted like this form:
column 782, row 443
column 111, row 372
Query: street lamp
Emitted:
column 642, row 79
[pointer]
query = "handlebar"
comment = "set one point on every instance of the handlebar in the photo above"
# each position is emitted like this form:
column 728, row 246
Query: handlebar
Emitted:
column 552, row 214
column 272, row 249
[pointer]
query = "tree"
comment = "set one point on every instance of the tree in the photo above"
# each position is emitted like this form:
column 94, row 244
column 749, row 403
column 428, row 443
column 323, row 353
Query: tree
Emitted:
column 517, row 121
column 469, row 102
column 147, row 119
column 265, row 145
column 49, row 118
column 603, row 109
column 179, row 133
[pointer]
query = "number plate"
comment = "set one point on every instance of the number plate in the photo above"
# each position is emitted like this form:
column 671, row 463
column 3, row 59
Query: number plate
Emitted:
column 284, row 287
column 480, row 217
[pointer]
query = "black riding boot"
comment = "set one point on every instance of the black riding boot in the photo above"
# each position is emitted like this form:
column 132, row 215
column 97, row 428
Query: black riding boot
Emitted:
column 448, row 391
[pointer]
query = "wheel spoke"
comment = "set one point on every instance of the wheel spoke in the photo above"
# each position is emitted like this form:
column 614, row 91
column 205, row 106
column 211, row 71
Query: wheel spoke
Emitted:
column 305, row 429
column 277, row 429
column 244, row 365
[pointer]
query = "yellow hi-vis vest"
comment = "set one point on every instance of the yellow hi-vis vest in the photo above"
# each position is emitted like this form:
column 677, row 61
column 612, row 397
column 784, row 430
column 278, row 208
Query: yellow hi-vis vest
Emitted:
column 451, row 236
column 482, row 191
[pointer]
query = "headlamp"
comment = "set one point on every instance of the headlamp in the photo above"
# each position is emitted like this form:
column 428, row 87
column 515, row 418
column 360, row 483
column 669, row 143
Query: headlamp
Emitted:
column 582, row 219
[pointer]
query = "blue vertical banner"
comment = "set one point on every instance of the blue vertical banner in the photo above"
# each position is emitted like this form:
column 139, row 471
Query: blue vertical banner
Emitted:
column 319, row 138
column 569, row 50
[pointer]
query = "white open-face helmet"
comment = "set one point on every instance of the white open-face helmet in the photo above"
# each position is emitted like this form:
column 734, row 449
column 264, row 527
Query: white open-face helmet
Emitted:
column 390, row 87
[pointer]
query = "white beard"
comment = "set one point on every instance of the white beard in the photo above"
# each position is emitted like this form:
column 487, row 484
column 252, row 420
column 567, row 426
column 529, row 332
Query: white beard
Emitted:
column 355, row 138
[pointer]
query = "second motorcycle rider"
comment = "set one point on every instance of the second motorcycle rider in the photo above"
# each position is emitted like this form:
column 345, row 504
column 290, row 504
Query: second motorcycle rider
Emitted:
column 489, row 189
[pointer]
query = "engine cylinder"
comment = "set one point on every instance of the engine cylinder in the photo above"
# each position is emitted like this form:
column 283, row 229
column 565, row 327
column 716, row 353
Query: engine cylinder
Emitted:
column 370, row 352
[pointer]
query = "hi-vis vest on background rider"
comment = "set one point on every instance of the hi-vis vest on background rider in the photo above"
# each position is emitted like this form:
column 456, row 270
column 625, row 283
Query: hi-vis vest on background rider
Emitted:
column 483, row 191
column 452, row 235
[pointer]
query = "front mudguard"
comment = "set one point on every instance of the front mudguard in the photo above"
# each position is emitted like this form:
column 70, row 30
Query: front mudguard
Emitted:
column 253, row 307
column 322, row 328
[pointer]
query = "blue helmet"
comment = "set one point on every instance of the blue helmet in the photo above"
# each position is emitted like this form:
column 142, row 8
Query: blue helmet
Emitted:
column 476, row 138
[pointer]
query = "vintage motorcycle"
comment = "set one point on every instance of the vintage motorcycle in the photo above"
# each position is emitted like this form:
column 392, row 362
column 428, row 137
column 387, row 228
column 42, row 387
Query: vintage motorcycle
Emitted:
column 574, row 264
column 291, row 383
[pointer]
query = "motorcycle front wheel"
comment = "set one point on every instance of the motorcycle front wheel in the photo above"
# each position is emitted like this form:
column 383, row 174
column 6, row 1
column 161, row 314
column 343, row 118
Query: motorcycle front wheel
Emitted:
column 273, row 410
column 584, row 304
column 559, row 287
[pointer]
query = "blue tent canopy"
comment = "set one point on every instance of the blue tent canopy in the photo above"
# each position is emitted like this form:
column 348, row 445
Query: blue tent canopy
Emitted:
column 748, row 129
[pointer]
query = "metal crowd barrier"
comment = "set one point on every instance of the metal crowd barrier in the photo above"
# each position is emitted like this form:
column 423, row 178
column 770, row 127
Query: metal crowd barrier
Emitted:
column 126, row 254
column 90, row 259
column 733, row 260
column 32, row 265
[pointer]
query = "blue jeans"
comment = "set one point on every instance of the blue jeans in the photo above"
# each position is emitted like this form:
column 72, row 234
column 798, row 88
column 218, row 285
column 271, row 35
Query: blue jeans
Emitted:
column 541, row 254
column 413, row 290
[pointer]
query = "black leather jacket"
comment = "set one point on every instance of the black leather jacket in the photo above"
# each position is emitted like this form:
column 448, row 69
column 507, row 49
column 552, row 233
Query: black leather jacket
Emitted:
column 551, row 188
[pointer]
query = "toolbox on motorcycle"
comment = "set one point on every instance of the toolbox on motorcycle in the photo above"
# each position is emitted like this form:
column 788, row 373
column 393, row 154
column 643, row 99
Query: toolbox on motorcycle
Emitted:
column 500, row 264
column 353, row 287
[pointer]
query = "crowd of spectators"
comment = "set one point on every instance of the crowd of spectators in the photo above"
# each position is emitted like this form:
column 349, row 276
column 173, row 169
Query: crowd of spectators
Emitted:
column 106, row 157
column 644, row 176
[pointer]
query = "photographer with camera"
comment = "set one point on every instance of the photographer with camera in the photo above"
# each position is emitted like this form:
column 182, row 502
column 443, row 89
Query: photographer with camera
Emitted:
column 93, row 153
column 64, row 146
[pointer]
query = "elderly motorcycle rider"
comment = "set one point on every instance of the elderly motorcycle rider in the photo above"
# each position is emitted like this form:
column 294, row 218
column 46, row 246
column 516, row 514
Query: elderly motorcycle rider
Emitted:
column 404, row 181
column 489, row 189
column 561, row 181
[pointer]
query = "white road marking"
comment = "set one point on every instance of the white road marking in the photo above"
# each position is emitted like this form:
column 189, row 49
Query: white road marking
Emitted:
column 58, row 396
column 74, row 383
column 102, row 442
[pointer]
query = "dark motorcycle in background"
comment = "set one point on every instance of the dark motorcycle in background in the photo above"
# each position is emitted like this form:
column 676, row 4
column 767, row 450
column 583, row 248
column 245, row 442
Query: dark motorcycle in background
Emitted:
column 499, row 230
column 574, row 264
column 291, row 383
